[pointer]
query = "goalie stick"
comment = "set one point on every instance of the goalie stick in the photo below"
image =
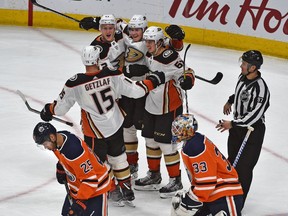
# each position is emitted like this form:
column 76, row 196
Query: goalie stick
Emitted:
column 38, row 112
column 34, row 2
column 250, row 129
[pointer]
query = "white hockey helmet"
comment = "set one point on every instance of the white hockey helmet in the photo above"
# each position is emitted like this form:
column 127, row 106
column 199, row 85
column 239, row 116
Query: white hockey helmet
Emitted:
column 183, row 127
column 90, row 55
column 138, row 21
column 108, row 19
column 153, row 33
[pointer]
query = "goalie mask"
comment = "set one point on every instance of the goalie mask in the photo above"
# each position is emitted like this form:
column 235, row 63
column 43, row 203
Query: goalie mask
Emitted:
column 42, row 131
column 90, row 55
column 183, row 127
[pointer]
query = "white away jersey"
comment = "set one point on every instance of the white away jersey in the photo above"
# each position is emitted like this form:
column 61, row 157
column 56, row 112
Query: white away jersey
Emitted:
column 96, row 94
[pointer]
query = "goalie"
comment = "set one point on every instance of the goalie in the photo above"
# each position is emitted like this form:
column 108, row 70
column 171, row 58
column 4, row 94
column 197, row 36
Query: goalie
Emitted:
column 215, row 188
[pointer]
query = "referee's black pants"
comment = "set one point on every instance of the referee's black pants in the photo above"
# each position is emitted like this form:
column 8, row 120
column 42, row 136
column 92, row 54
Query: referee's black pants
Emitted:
column 250, row 154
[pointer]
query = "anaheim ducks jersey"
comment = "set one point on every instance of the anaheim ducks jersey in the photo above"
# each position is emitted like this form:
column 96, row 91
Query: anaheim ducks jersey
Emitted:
column 87, row 176
column 112, row 53
column 211, row 174
column 96, row 94
column 167, row 97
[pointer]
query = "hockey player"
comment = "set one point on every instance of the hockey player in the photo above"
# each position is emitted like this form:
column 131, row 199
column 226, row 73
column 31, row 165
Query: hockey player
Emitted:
column 96, row 92
column 87, row 178
column 215, row 188
column 250, row 102
column 162, row 105
column 110, row 42
column 136, row 69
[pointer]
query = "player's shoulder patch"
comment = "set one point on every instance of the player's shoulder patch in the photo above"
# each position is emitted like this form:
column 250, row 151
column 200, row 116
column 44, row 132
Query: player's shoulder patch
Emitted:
column 167, row 56
column 78, row 79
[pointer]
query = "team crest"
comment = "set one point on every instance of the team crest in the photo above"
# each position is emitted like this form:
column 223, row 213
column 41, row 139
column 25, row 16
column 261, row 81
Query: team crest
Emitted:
column 133, row 55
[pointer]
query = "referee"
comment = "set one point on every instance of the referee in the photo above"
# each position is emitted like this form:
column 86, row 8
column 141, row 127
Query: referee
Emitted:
column 250, row 102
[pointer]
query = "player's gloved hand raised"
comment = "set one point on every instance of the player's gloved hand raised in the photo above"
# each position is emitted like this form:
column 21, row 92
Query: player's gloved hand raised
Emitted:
column 157, row 78
column 135, row 70
column 60, row 173
column 175, row 32
column 45, row 113
column 78, row 208
column 89, row 23
column 186, row 82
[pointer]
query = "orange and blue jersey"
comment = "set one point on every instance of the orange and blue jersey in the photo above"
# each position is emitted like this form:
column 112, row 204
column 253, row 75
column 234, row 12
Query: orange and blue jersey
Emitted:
column 87, row 176
column 211, row 174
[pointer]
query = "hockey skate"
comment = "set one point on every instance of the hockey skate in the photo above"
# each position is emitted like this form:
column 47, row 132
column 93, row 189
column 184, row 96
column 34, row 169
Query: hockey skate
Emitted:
column 128, row 194
column 170, row 189
column 116, row 197
column 149, row 183
column 134, row 171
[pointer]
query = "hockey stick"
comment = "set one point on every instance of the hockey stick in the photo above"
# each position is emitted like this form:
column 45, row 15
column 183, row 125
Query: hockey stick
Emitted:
column 38, row 112
column 68, row 193
column 214, row 81
column 34, row 2
column 250, row 129
column 186, row 97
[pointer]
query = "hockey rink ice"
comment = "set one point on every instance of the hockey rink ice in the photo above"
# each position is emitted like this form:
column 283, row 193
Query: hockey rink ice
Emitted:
column 38, row 62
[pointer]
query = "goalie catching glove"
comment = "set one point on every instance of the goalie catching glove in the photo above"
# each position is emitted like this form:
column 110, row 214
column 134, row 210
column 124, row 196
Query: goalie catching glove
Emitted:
column 89, row 23
column 186, row 203
column 175, row 32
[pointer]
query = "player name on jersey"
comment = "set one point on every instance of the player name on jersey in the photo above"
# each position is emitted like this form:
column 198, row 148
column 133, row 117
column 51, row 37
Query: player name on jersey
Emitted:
column 97, row 84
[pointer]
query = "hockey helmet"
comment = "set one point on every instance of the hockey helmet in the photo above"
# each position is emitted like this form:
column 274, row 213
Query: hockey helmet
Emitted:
column 183, row 127
column 90, row 55
column 253, row 57
column 107, row 20
column 153, row 33
column 42, row 132
column 138, row 21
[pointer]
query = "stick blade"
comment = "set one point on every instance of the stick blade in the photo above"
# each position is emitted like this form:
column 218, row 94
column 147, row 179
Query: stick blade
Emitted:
column 217, row 78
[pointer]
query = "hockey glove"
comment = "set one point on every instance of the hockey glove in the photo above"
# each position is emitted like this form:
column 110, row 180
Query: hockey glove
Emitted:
column 89, row 23
column 45, row 113
column 186, row 203
column 78, row 208
column 186, row 83
column 175, row 32
column 60, row 174
column 157, row 78
column 135, row 70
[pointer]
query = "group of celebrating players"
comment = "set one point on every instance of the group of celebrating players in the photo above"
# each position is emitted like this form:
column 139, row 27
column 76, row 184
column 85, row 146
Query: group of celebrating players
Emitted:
column 135, row 80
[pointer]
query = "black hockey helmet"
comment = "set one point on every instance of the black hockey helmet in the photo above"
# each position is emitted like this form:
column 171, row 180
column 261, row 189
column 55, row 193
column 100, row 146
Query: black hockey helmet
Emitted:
column 42, row 132
column 253, row 57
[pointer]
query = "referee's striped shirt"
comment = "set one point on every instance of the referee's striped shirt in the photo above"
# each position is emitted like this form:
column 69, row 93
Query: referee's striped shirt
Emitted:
column 251, row 100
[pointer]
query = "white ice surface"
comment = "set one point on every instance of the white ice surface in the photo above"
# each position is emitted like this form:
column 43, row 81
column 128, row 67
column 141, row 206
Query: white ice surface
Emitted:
column 38, row 62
